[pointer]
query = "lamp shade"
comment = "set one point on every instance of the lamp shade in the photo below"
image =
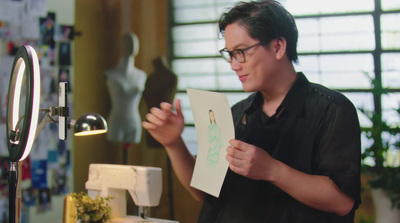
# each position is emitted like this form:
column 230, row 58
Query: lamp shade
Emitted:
column 90, row 124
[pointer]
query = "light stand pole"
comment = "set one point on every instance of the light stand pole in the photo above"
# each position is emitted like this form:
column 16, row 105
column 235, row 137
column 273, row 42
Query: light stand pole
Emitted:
column 12, row 190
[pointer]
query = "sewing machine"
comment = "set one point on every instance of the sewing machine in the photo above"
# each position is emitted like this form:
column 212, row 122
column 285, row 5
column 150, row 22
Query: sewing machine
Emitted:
column 144, row 185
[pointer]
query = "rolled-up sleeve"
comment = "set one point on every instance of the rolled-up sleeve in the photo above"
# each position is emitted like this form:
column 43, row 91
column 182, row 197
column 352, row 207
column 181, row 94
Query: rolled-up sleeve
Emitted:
column 339, row 155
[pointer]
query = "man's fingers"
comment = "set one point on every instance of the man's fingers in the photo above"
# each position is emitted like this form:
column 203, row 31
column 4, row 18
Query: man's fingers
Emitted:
column 148, row 125
column 234, row 154
column 236, row 144
column 159, row 113
column 178, row 108
column 155, row 119
column 166, row 107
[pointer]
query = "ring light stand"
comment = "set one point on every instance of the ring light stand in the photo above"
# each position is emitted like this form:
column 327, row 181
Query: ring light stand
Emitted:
column 20, row 139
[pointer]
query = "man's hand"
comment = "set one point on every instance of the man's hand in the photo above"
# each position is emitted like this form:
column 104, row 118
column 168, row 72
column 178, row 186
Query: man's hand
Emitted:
column 165, row 125
column 249, row 160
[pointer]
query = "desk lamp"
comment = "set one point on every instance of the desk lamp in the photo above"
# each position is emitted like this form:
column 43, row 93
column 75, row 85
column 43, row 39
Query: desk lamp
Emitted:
column 23, row 129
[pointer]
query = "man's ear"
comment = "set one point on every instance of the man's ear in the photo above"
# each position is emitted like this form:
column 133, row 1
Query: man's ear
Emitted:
column 279, row 47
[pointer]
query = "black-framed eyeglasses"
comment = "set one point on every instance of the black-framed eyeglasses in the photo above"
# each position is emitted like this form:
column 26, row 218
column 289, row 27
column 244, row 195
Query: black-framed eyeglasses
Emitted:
column 238, row 54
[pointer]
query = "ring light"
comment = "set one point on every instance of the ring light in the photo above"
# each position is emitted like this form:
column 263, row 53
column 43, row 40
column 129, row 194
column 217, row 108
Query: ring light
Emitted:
column 20, row 140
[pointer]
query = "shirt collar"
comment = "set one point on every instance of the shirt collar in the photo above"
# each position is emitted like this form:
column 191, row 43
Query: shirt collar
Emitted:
column 293, row 101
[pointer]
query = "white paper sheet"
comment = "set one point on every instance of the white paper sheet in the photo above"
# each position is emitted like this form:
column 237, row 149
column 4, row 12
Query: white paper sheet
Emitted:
column 213, row 139
column 37, row 7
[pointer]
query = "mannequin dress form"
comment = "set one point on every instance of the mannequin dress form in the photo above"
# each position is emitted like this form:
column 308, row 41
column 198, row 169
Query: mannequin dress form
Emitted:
column 161, row 86
column 125, row 83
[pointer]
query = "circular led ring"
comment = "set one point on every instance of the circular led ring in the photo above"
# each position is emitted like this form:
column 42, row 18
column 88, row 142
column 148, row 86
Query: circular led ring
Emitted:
column 25, row 60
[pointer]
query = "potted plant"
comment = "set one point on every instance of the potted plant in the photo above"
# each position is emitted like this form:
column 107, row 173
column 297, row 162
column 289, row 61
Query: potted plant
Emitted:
column 383, row 152
column 386, row 171
column 92, row 210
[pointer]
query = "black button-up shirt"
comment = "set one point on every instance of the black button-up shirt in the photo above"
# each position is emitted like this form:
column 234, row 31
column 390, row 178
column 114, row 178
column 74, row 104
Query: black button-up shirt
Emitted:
column 315, row 130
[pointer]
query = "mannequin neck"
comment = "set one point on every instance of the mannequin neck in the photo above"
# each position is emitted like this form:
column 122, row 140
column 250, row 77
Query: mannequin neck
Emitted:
column 127, row 63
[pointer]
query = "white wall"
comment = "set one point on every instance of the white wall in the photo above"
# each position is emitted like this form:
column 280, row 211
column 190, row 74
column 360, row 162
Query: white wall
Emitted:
column 65, row 10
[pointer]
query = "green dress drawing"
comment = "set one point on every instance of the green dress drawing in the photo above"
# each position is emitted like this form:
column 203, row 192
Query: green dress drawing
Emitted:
column 215, row 142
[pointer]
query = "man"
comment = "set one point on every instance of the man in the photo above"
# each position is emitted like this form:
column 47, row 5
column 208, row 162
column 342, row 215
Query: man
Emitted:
column 296, row 156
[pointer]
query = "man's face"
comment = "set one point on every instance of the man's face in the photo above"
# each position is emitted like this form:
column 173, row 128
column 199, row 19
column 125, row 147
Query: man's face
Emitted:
column 256, row 72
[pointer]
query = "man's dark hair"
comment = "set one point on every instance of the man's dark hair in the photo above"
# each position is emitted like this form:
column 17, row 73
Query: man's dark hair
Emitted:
column 265, row 20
